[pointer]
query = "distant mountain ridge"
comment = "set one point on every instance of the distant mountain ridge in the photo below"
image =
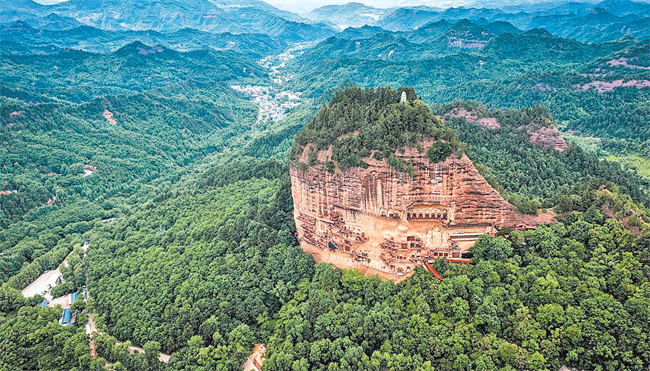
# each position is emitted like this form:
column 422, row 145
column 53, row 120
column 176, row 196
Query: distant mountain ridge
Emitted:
column 437, row 39
column 347, row 15
column 585, row 22
column 217, row 16
column 88, row 38
column 579, row 21
column 52, row 22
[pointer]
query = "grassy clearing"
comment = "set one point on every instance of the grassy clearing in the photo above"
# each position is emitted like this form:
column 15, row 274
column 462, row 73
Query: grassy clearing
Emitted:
column 642, row 164
column 593, row 144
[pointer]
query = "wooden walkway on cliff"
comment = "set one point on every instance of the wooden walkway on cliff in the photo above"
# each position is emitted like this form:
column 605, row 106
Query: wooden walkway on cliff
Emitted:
column 430, row 268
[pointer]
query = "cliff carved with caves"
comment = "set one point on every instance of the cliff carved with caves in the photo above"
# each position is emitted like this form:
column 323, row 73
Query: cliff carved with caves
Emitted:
column 386, row 222
column 379, row 184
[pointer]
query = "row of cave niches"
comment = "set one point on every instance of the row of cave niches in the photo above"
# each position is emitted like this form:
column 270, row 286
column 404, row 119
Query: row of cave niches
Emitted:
column 412, row 251
column 337, row 230
column 432, row 217
column 400, row 248
column 439, row 217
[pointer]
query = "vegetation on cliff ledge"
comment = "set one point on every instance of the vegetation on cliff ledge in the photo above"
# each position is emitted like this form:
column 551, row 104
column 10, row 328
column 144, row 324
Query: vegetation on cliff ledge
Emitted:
column 359, row 123
column 531, row 173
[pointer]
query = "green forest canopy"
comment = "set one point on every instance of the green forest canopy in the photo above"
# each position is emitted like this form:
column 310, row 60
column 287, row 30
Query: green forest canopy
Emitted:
column 358, row 123
column 202, row 260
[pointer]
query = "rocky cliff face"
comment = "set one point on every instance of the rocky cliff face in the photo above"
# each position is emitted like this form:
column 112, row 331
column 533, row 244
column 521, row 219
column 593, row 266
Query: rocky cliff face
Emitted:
column 387, row 222
column 548, row 137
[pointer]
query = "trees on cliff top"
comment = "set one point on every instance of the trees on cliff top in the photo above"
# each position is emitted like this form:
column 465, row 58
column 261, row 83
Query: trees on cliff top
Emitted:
column 359, row 123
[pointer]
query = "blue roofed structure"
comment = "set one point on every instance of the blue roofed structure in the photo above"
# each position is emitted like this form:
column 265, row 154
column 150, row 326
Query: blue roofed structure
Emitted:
column 74, row 297
column 44, row 303
column 65, row 318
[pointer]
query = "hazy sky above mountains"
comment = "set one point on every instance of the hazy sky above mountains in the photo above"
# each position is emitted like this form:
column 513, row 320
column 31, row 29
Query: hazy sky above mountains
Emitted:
column 302, row 6
column 312, row 4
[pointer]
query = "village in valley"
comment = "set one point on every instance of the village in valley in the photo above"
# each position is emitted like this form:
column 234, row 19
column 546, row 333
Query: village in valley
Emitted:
column 275, row 104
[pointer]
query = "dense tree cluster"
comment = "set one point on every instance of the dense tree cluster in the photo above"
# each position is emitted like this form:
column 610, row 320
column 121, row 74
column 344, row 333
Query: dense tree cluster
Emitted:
column 119, row 355
column 198, row 263
column 439, row 151
column 33, row 340
column 48, row 261
column 169, row 111
column 574, row 293
column 359, row 123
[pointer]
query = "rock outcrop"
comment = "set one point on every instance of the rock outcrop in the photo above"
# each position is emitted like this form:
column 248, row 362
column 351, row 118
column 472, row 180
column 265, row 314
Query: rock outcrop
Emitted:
column 548, row 137
column 383, row 221
column 484, row 122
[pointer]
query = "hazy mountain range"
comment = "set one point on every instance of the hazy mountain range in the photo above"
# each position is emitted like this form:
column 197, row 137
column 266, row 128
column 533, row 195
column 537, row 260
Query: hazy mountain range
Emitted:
column 105, row 25
column 578, row 20
column 171, row 15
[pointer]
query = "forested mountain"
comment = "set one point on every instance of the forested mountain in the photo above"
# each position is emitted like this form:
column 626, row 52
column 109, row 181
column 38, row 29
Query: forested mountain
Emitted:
column 254, row 46
column 504, row 70
column 145, row 150
column 526, row 158
column 173, row 15
column 433, row 40
column 20, row 5
column 12, row 48
column 407, row 19
column 624, row 7
column 364, row 32
column 347, row 15
column 118, row 115
column 52, row 22
column 382, row 124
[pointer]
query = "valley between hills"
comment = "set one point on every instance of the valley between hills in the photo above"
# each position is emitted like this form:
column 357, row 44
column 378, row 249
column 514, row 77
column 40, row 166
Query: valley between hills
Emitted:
column 226, row 185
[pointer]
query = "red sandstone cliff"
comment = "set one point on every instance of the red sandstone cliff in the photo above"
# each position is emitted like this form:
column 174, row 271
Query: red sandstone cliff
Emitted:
column 455, row 186
column 387, row 222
